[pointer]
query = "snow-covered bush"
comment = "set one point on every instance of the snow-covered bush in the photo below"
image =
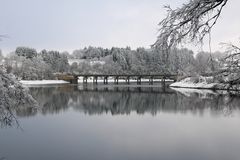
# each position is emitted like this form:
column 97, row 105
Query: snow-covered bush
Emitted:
column 12, row 96
column 12, row 93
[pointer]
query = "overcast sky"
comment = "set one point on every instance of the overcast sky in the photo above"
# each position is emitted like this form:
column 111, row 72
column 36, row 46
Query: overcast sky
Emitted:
column 72, row 24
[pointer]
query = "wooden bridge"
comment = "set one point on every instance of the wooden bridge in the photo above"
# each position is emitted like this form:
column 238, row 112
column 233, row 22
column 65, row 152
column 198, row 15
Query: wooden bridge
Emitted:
column 116, row 77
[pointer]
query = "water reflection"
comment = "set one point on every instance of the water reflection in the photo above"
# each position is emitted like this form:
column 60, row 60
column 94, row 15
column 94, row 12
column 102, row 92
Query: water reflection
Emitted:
column 171, row 127
column 7, row 118
column 124, row 100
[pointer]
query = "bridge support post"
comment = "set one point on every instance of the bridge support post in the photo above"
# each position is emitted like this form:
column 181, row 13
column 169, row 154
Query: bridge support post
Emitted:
column 151, row 81
column 139, row 80
column 163, row 81
column 105, row 80
column 95, row 79
column 85, row 78
column 116, row 80
column 128, row 80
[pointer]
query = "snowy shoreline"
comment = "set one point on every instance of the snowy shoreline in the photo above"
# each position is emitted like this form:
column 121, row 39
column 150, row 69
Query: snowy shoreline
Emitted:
column 42, row 82
column 202, row 84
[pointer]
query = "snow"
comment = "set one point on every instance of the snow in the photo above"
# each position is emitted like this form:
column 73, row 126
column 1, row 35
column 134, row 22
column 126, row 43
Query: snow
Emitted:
column 43, row 82
column 205, row 83
column 91, row 62
column 71, row 61
column 188, row 83
column 13, row 94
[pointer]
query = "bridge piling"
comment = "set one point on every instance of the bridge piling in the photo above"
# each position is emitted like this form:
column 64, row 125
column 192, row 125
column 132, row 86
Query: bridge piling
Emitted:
column 139, row 80
column 128, row 80
column 163, row 81
column 116, row 79
column 151, row 81
column 105, row 80
column 85, row 79
column 95, row 79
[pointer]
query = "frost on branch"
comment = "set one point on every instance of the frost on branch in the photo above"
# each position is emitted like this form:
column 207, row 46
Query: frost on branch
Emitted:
column 12, row 96
column 232, row 64
column 190, row 23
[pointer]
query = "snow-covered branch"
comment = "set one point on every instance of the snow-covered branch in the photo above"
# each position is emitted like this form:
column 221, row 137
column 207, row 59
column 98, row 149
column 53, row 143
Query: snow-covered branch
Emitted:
column 190, row 23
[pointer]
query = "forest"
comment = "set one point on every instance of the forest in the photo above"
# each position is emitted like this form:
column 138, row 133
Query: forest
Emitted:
column 28, row 64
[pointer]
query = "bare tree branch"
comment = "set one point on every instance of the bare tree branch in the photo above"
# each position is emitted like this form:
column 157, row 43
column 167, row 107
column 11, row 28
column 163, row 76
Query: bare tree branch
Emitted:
column 190, row 23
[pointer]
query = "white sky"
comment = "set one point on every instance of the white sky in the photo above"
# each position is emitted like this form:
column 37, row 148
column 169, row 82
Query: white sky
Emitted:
column 72, row 24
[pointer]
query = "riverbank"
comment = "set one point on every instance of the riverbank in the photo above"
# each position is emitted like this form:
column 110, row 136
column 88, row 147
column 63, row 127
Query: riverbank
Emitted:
column 203, row 83
column 43, row 82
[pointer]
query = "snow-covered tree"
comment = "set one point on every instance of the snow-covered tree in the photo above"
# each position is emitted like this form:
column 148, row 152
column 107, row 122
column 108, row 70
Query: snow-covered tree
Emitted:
column 189, row 23
column 26, row 52
column 58, row 62
column 231, row 63
column 12, row 96
column 28, row 68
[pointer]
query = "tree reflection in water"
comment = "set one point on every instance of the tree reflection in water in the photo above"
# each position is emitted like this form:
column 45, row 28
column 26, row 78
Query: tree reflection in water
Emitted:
column 124, row 100
column 7, row 118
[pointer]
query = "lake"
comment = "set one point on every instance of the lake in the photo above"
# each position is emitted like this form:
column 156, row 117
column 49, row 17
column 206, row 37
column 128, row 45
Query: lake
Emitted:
column 123, row 123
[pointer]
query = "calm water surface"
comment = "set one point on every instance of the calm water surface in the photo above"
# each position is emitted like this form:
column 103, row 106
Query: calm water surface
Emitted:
column 89, row 123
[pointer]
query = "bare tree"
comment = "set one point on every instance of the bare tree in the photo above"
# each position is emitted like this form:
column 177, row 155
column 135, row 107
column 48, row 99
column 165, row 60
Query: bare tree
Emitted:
column 191, row 22
column 232, row 64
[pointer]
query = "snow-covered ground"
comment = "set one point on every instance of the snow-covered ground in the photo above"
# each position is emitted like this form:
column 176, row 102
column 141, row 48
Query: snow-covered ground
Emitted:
column 204, row 83
column 91, row 62
column 188, row 83
column 43, row 82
